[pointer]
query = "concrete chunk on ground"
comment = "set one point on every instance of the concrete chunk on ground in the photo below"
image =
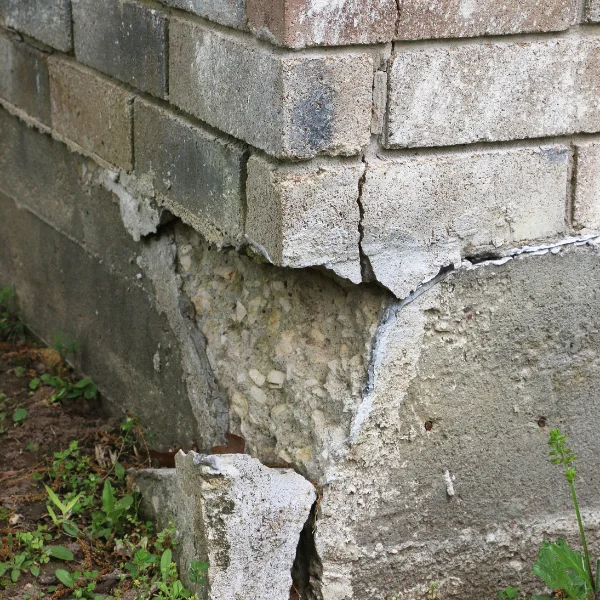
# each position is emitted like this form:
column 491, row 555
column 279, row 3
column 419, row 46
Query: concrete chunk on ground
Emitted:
column 240, row 516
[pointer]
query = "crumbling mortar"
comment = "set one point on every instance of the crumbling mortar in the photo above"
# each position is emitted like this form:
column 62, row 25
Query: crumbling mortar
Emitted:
column 366, row 269
column 571, row 189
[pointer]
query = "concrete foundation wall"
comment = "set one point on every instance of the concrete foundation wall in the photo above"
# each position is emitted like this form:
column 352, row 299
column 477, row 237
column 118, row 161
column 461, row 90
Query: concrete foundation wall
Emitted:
column 361, row 234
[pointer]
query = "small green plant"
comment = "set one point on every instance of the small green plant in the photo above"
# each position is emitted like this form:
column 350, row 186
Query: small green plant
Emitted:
column 63, row 346
column 85, row 387
column 28, row 550
column 108, row 522
column 508, row 593
column 558, row 566
column 11, row 327
column 65, row 509
column 83, row 583
column 19, row 415
column 197, row 573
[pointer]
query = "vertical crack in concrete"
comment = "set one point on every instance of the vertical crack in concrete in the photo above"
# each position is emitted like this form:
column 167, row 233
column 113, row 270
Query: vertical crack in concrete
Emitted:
column 307, row 570
column 366, row 270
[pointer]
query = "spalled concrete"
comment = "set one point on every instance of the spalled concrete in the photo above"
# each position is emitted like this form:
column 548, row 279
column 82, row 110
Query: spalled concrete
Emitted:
column 289, row 347
column 241, row 517
column 425, row 213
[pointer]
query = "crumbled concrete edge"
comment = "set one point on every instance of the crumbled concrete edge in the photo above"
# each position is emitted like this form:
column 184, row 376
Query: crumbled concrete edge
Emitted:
column 243, row 518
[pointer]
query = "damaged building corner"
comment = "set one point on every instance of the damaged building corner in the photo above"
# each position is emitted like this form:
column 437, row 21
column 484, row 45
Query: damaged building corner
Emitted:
column 350, row 235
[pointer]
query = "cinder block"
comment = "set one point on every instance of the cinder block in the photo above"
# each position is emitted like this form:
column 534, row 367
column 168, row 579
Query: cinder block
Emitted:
column 124, row 39
column 592, row 11
column 226, row 12
column 300, row 23
column 499, row 91
column 24, row 78
column 304, row 215
column 198, row 174
column 422, row 213
column 290, row 105
column 92, row 111
column 586, row 207
column 46, row 20
column 430, row 19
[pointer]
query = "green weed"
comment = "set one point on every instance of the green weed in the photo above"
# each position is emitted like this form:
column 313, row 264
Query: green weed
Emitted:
column 558, row 566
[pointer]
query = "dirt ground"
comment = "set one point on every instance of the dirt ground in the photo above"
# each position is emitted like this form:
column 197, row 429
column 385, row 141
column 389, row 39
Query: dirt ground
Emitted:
column 28, row 443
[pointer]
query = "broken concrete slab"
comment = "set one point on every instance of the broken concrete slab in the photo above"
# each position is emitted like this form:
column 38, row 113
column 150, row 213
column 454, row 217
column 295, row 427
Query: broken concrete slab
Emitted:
column 240, row 516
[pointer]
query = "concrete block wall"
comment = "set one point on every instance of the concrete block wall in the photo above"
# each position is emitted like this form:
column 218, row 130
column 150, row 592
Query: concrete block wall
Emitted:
column 259, row 155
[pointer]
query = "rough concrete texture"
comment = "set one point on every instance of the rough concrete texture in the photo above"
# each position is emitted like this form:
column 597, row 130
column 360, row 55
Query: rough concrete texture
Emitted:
column 289, row 105
column 481, row 357
column 248, row 518
column 91, row 110
column 506, row 90
column 226, row 12
column 24, row 77
column 198, row 175
column 307, row 214
column 46, row 20
column 586, row 201
column 289, row 347
column 456, row 18
column 300, row 23
column 129, row 339
column 125, row 39
column 592, row 11
column 422, row 213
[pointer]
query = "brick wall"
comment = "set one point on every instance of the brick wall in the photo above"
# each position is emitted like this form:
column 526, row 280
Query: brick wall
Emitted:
column 382, row 104
column 380, row 141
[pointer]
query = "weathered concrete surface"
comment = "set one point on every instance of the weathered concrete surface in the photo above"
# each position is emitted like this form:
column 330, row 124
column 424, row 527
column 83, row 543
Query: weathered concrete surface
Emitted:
column 24, row 77
column 300, row 23
column 289, row 105
column 422, row 213
column 129, row 339
column 91, row 110
column 289, row 347
column 592, row 10
column 586, row 201
column 303, row 215
column 198, row 175
column 125, row 39
column 251, row 518
column 231, row 511
column 423, row 19
column 46, row 20
column 506, row 90
column 480, row 357
column 226, row 12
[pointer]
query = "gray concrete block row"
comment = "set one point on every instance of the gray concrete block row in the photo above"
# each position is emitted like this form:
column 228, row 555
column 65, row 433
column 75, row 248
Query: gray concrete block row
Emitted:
column 464, row 93
column 289, row 105
column 48, row 21
column 24, row 79
column 301, row 23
